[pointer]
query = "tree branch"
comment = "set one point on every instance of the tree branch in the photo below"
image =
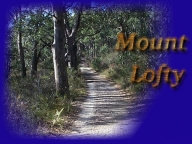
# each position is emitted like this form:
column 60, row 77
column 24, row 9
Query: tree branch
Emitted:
column 89, row 35
column 77, row 21
column 66, row 22
column 47, row 44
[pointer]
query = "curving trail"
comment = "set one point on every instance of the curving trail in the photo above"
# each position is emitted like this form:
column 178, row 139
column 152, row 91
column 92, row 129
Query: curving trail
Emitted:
column 107, row 111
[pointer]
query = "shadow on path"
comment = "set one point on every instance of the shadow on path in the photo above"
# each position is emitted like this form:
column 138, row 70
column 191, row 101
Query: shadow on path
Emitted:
column 107, row 111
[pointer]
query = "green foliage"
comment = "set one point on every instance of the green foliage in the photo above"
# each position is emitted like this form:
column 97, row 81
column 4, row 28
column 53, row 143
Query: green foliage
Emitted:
column 104, row 50
column 76, row 83
column 36, row 26
column 97, row 31
column 98, row 65
column 142, row 19
column 38, row 94
column 118, row 67
column 51, row 109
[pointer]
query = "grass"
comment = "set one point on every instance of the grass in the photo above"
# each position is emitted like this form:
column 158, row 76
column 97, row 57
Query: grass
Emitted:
column 118, row 67
column 36, row 100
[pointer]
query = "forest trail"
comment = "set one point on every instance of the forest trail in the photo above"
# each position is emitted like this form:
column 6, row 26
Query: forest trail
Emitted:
column 106, row 111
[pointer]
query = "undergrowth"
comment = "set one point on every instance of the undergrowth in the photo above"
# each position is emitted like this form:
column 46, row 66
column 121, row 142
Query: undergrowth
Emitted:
column 33, row 101
column 118, row 67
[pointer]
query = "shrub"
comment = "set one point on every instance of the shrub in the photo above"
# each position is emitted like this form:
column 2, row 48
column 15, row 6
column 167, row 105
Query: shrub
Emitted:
column 35, row 98
column 96, row 63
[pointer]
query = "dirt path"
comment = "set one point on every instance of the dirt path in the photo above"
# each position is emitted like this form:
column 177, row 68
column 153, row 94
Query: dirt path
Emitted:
column 106, row 112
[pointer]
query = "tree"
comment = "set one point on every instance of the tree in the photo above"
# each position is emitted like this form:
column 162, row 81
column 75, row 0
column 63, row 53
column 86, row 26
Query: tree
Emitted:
column 71, row 32
column 36, row 56
column 58, row 51
column 19, row 42
column 38, row 23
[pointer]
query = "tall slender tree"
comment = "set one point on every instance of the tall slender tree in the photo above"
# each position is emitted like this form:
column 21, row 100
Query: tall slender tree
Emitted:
column 58, row 50
column 19, row 43
column 71, row 33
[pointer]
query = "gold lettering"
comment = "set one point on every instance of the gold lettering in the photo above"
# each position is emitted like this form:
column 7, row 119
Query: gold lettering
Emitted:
column 166, row 72
column 133, row 78
column 177, row 77
column 182, row 40
column 167, row 42
column 138, row 44
column 147, row 72
column 121, row 44
column 149, row 76
column 128, row 44
column 158, row 46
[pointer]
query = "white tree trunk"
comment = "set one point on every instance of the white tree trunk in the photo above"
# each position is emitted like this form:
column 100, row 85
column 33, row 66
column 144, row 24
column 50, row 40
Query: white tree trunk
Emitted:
column 58, row 51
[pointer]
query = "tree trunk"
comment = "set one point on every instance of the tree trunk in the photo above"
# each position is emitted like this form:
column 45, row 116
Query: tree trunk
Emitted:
column 58, row 50
column 72, row 32
column 20, row 48
column 82, row 48
column 93, row 52
column 35, row 60
column 89, row 50
column 73, row 52
column 74, row 58
column 94, row 49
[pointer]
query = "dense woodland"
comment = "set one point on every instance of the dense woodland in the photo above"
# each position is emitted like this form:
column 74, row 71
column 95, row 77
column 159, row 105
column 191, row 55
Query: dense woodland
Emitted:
column 46, row 43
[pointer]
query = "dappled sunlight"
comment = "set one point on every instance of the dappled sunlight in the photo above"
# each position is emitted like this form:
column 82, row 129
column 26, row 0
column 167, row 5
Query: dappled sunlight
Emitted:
column 107, row 111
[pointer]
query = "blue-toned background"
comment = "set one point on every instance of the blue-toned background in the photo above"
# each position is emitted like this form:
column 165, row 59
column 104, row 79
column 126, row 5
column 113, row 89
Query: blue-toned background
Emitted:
column 168, row 120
